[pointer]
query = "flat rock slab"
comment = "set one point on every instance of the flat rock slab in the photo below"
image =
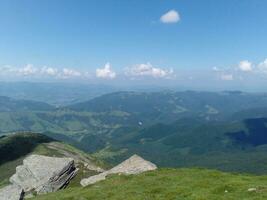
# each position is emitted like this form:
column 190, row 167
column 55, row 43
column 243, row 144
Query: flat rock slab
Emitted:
column 43, row 174
column 11, row 192
column 133, row 165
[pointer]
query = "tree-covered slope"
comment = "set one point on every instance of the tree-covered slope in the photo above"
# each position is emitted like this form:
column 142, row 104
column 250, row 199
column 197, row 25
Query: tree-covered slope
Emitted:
column 170, row 184
column 237, row 146
column 168, row 106
column 18, row 145
column 169, row 128
column 13, row 105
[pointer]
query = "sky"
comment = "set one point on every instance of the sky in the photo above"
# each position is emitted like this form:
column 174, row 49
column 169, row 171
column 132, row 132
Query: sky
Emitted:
column 186, row 43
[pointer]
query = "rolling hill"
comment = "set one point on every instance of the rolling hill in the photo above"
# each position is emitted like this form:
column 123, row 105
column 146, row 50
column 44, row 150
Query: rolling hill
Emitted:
column 172, row 129
column 236, row 146
column 171, row 106
column 13, row 105
column 54, row 93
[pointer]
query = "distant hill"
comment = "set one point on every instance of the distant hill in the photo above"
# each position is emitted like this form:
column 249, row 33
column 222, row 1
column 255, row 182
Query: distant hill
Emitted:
column 229, row 146
column 13, row 105
column 170, row 106
column 207, row 129
column 57, row 94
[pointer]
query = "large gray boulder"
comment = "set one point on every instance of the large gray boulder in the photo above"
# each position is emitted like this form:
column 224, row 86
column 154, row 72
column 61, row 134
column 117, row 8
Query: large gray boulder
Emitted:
column 44, row 174
column 11, row 192
column 133, row 165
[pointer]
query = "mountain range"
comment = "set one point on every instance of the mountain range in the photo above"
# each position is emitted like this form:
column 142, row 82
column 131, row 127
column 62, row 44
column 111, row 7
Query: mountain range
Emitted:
column 222, row 130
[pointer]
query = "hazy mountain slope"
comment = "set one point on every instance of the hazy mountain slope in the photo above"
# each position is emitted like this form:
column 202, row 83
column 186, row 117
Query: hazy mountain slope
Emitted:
column 236, row 146
column 107, row 114
column 13, row 105
column 170, row 129
column 169, row 184
column 170, row 106
column 57, row 94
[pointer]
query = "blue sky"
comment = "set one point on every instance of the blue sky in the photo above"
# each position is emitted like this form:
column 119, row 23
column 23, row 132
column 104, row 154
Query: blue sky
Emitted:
column 206, row 38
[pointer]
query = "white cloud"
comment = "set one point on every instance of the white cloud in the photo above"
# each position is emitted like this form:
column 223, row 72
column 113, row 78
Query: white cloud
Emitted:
column 105, row 72
column 39, row 72
column 27, row 70
column 171, row 16
column 263, row 66
column 227, row 77
column 49, row 71
column 68, row 73
column 245, row 66
column 6, row 69
column 148, row 70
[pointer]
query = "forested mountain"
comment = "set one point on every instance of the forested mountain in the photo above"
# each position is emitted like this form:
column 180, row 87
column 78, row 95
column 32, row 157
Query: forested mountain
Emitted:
column 224, row 130
column 11, row 105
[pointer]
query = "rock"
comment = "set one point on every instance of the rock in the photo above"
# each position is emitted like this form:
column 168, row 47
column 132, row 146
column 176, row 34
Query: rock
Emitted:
column 252, row 189
column 11, row 192
column 133, row 165
column 44, row 174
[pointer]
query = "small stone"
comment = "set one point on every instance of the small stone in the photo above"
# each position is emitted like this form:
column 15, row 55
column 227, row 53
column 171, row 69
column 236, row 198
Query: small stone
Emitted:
column 252, row 189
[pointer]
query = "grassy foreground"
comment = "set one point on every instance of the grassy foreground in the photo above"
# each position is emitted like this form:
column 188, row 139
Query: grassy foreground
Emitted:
column 170, row 184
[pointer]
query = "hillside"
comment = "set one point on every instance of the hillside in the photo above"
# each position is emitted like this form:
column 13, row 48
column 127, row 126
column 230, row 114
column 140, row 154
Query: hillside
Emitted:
column 169, row 184
column 54, row 93
column 104, row 115
column 187, row 129
column 13, row 105
column 229, row 146
column 166, row 106
column 15, row 147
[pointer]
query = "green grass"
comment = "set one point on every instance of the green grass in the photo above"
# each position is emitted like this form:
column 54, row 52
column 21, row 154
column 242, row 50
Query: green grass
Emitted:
column 7, row 170
column 170, row 184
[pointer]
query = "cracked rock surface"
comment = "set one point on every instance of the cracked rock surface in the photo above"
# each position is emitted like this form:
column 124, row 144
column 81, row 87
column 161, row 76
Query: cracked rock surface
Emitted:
column 39, row 174
column 11, row 192
column 43, row 174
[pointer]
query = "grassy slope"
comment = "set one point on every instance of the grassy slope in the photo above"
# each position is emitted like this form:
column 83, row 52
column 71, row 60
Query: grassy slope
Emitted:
column 170, row 184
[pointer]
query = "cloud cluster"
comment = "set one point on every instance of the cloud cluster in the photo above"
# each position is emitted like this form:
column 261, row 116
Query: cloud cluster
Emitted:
column 263, row 66
column 50, row 71
column 243, row 70
column 31, row 71
column 105, row 72
column 148, row 70
column 227, row 77
column 245, row 66
column 171, row 16
column 67, row 73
